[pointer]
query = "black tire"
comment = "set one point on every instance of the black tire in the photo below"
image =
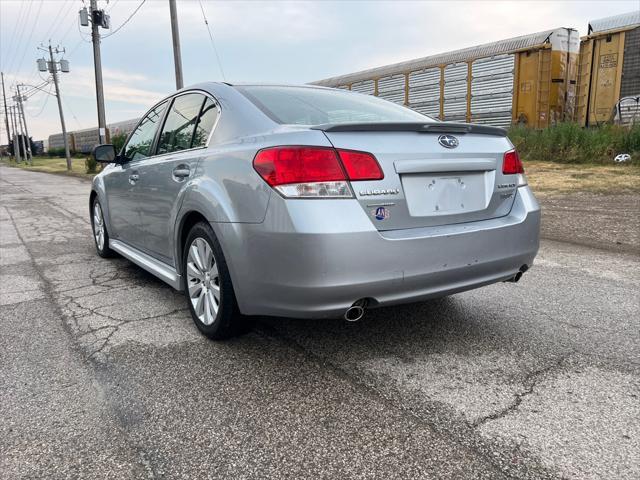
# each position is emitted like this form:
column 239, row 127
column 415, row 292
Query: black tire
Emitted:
column 104, row 251
column 228, row 321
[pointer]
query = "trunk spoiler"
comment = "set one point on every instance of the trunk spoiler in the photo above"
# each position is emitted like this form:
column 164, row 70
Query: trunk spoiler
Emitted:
column 432, row 127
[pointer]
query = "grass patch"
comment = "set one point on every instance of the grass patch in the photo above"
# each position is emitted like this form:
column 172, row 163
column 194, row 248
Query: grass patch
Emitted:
column 570, row 143
column 54, row 165
column 555, row 178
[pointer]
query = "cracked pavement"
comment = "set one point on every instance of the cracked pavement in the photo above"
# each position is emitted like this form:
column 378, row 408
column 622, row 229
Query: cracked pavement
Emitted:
column 103, row 375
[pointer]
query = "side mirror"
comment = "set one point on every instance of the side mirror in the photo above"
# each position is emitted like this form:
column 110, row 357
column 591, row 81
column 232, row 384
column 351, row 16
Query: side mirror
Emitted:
column 104, row 154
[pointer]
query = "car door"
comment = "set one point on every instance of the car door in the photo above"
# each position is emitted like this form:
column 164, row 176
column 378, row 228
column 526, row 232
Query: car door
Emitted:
column 122, row 182
column 181, row 142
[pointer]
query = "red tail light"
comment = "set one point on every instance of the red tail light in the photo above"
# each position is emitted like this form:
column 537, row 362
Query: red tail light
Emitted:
column 301, row 171
column 511, row 163
column 283, row 165
column 360, row 165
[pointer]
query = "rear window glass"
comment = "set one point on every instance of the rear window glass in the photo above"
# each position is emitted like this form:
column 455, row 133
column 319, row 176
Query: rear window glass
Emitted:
column 314, row 106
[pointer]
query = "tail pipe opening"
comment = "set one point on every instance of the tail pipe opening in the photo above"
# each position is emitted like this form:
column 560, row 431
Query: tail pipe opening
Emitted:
column 356, row 311
column 518, row 275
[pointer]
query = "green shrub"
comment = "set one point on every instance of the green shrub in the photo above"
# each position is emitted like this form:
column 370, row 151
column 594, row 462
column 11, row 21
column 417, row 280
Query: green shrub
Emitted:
column 90, row 164
column 570, row 143
column 56, row 152
column 118, row 141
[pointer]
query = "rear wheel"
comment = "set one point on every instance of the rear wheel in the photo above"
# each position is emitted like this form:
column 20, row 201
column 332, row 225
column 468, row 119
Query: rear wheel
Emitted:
column 99, row 228
column 211, row 299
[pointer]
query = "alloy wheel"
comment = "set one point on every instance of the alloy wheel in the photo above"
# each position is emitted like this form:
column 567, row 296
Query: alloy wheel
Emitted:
column 203, row 281
column 98, row 226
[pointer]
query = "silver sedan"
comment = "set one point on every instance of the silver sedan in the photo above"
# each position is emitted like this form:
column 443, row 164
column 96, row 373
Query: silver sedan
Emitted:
column 310, row 202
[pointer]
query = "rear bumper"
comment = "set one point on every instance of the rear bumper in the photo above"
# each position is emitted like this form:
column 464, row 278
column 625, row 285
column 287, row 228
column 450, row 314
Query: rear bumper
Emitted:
column 314, row 259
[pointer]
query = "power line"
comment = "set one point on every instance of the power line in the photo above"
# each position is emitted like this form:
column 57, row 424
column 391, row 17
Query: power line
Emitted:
column 213, row 44
column 66, row 104
column 26, row 48
column 71, row 25
column 54, row 25
column 110, row 7
column 14, row 38
column 126, row 21
column 17, row 48
column 44, row 104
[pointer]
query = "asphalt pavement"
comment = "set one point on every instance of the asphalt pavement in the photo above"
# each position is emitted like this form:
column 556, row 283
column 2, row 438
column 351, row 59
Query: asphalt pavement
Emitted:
column 103, row 374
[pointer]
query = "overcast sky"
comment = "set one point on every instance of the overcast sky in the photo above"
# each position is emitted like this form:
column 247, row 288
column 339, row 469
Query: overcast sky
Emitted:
column 293, row 42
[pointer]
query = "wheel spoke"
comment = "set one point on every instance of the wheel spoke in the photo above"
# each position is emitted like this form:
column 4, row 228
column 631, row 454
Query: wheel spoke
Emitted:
column 199, row 306
column 213, row 301
column 194, row 289
column 202, row 252
column 214, row 269
column 193, row 271
column 215, row 291
column 210, row 309
column 194, row 254
column 208, row 256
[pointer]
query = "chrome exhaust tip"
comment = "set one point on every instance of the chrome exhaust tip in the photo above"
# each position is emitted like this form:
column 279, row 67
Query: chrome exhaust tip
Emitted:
column 354, row 313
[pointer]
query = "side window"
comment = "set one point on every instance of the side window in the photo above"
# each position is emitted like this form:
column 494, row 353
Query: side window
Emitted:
column 139, row 145
column 179, row 126
column 205, row 123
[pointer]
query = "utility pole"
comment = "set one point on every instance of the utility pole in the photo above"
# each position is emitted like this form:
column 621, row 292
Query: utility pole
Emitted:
column 23, row 147
column 175, row 33
column 14, row 139
column 27, row 152
column 6, row 108
column 53, row 69
column 98, row 19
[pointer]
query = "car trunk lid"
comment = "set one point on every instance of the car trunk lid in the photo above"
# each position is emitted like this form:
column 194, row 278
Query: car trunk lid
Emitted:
column 425, row 183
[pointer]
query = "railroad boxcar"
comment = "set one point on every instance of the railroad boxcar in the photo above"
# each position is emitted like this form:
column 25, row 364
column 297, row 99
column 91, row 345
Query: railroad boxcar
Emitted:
column 529, row 79
column 56, row 141
column 609, row 68
column 85, row 140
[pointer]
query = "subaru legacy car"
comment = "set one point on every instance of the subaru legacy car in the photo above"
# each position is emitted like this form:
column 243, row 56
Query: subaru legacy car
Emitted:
column 310, row 202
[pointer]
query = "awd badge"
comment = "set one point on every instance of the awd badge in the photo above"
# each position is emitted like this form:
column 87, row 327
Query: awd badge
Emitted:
column 381, row 213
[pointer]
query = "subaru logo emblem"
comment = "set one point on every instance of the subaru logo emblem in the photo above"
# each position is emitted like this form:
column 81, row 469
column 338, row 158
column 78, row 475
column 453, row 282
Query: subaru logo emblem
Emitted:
column 448, row 141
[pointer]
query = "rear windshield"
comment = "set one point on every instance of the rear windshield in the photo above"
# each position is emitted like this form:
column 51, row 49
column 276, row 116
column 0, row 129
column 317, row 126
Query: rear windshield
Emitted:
column 315, row 106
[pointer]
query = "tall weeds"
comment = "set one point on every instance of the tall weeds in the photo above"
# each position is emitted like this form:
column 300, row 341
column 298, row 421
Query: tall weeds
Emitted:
column 570, row 143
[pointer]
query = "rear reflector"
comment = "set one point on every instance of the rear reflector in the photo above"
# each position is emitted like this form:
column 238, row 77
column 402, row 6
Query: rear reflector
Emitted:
column 511, row 164
column 300, row 171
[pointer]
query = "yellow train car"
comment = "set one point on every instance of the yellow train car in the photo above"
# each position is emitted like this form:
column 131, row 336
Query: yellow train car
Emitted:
column 529, row 79
column 609, row 67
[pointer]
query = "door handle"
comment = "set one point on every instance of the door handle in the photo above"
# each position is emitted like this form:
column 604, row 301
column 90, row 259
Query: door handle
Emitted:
column 133, row 178
column 181, row 172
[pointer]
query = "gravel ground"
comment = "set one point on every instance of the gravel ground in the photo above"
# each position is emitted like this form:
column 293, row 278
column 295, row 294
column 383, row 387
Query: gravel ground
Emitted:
column 597, row 220
column 103, row 375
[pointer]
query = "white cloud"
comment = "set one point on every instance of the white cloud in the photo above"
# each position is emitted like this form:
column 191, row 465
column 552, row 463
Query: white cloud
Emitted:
column 118, row 86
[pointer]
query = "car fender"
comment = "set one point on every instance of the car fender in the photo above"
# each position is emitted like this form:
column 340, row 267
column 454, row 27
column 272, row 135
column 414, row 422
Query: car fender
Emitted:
column 213, row 203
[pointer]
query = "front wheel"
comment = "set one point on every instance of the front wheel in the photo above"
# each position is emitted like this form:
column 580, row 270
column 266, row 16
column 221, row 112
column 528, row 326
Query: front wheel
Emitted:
column 99, row 229
column 208, row 286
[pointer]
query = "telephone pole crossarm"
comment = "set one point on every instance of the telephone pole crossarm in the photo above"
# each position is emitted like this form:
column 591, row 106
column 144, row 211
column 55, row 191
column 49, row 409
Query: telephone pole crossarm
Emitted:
column 53, row 69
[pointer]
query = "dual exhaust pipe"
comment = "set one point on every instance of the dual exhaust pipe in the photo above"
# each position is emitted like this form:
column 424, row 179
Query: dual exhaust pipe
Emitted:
column 356, row 311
